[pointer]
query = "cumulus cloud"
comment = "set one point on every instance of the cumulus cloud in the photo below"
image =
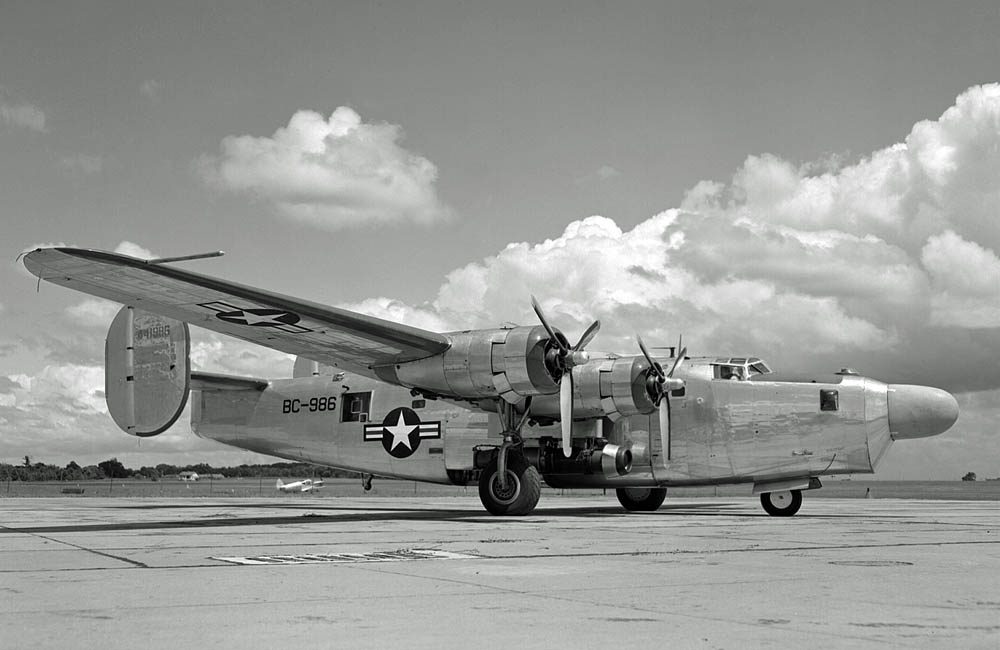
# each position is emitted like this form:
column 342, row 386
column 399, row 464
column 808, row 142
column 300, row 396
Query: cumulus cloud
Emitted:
column 332, row 173
column 21, row 115
column 82, row 164
column 211, row 352
column 134, row 250
column 151, row 89
column 603, row 173
column 93, row 312
column 889, row 263
column 398, row 311
column 966, row 279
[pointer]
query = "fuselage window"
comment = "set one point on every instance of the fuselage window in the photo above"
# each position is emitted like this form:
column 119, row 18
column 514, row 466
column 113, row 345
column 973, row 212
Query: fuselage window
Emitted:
column 829, row 400
column 357, row 406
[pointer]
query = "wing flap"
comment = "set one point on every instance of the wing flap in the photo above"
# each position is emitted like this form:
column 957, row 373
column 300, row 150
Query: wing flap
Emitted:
column 333, row 336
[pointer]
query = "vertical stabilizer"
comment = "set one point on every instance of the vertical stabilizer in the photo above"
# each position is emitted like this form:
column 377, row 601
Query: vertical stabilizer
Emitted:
column 146, row 374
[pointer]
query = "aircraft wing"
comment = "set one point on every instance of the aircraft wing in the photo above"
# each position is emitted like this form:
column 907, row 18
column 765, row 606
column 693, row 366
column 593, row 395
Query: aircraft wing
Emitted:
column 332, row 336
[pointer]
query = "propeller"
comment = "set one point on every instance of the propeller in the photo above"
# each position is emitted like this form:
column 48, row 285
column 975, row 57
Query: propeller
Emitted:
column 560, row 358
column 658, row 383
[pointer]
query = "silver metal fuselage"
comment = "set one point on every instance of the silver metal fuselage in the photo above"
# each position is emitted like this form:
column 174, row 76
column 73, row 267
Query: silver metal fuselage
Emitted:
column 723, row 431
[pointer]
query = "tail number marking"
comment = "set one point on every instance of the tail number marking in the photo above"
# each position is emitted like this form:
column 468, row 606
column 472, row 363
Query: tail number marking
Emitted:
column 312, row 405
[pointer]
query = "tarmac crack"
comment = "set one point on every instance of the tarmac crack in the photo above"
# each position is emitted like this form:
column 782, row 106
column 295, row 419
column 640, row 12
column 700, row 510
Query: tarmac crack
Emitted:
column 111, row 556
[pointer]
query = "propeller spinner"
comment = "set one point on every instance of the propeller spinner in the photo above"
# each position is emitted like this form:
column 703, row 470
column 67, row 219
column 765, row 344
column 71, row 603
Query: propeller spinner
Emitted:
column 658, row 383
column 560, row 358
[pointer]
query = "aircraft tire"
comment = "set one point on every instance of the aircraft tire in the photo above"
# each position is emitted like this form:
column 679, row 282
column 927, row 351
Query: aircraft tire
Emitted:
column 781, row 504
column 641, row 499
column 524, row 487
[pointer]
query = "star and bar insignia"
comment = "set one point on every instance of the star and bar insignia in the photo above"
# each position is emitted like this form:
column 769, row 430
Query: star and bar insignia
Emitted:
column 401, row 432
column 279, row 319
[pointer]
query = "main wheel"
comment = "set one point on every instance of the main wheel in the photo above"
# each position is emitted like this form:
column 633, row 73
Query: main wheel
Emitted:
column 641, row 499
column 781, row 504
column 520, row 494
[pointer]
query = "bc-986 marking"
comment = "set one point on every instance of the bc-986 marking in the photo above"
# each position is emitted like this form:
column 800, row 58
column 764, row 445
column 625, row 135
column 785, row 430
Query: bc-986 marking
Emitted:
column 312, row 405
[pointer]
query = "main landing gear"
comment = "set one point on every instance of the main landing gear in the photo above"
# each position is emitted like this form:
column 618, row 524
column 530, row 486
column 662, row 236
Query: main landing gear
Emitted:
column 509, row 485
column 516, row 493
column 781, row 504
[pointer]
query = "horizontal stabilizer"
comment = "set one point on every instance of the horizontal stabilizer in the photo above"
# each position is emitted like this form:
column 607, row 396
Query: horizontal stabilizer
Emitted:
column 211, row 381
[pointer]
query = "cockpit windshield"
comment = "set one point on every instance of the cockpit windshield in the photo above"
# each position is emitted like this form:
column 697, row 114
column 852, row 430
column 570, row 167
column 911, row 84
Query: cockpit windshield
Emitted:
column 739, row 368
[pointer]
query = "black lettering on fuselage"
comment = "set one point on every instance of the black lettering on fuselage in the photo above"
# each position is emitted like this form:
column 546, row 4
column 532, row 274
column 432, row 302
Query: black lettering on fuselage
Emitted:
column 323, row 404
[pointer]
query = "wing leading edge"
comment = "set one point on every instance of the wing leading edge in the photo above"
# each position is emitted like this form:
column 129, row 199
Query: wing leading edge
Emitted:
column 332, row 336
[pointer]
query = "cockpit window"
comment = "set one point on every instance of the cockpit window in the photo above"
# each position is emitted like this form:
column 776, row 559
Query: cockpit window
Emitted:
column 726, row 371
column 739, row 368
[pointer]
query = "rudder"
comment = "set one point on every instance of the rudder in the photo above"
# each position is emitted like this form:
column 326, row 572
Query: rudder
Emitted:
column 147, row 375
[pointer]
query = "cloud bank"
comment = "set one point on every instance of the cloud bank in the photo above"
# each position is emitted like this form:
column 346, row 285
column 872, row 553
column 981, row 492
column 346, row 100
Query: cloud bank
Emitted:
column 888, row 264
column 331, row 173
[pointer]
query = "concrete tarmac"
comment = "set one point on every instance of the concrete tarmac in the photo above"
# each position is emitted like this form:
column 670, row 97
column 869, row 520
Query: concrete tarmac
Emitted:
column 441, row 573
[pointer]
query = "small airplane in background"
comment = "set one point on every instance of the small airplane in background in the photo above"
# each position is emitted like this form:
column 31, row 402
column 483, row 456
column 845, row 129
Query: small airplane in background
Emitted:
column 305, row 485
column 504, row 408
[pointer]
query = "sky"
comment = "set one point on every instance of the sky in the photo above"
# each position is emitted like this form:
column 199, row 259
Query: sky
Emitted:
column 812, row 183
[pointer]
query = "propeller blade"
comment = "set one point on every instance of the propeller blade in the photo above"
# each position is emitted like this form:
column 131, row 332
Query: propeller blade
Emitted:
column 587, row 336
column 654, row 367
column 681, row 353
column 566, row 412
column 664, row 412
column 677, row 362
column 545, row 324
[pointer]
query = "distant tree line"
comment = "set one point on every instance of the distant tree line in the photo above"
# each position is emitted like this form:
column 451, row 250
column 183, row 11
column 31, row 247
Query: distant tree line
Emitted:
column 113, row 468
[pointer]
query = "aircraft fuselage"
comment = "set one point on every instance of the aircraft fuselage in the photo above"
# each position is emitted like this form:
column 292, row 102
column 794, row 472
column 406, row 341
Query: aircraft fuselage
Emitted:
column 723, row 431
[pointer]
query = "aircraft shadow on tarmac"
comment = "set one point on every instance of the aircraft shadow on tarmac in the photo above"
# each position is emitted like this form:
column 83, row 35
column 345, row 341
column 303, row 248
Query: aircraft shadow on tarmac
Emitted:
column 319, row 515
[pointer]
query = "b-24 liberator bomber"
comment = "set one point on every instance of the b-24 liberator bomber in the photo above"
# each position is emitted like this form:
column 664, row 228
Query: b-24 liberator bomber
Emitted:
column 507, row 408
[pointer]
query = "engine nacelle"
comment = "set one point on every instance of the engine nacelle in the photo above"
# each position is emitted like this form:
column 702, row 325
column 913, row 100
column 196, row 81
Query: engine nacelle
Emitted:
column 482, row 364
column 614, row 387
column 146, row 371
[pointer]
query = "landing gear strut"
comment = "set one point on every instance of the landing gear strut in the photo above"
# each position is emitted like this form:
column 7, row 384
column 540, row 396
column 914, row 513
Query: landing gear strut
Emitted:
column 509, row 485
column 366, row 481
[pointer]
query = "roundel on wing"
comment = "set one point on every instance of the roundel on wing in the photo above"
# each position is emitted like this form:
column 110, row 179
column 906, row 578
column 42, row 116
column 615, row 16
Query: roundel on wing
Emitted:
column 259, row 317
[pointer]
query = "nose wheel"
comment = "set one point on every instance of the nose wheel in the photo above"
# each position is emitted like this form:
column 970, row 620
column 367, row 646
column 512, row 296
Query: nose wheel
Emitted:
column 784, row 503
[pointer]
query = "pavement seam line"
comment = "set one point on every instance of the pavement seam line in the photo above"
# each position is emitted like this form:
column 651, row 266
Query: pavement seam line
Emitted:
column 119, row 558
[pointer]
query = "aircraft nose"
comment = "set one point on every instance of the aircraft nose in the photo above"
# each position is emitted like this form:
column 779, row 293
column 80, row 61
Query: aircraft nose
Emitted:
column 920, row 411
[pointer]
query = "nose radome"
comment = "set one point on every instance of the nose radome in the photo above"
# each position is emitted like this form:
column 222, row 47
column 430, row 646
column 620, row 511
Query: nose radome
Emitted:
column 920, row 411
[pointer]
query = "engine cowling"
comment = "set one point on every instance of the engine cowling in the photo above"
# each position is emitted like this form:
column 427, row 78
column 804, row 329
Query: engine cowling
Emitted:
column 613, row 387
column 483, row 364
